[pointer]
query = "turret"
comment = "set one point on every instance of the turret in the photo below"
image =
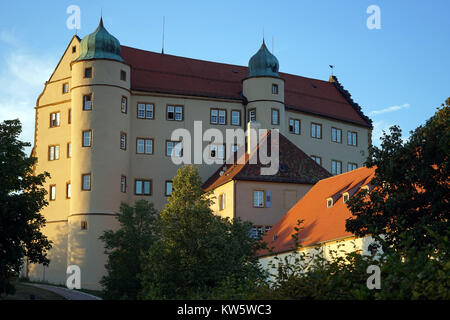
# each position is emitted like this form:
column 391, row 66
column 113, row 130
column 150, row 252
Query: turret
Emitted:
column 264, row 90
column 100, row 133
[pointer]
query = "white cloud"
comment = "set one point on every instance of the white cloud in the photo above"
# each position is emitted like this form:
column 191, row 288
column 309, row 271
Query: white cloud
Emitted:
column 377, row 132
column 389, row 109
column 22, row 78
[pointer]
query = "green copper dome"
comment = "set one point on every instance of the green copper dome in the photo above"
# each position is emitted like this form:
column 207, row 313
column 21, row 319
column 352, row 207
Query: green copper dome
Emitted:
column 263, row 63
column 100, row 44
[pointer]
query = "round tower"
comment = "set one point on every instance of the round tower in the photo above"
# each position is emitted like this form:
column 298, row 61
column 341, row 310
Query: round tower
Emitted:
column 100, row 134
column 264, row 90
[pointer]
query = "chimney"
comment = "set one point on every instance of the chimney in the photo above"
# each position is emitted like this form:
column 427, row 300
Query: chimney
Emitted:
column 252, row 135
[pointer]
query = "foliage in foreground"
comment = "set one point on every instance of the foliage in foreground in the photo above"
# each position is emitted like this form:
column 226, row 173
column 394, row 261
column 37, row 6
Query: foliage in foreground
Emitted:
column 411, row 274
column 21, row 199
column 197, row 251
column 124, row 247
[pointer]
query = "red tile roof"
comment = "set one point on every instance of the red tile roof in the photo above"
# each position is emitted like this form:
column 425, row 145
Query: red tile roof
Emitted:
column 295, row 166
column 320, row 223
column 163, row 73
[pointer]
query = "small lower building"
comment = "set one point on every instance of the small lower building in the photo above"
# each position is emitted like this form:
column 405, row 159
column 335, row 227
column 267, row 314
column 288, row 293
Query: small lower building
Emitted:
column 324, row 212
column 240, row 190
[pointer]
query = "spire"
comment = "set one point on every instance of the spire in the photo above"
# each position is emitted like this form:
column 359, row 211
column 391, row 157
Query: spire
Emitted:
column 263, row 63
column 100, row 45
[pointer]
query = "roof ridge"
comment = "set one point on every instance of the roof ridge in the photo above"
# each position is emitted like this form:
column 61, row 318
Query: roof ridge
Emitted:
column 344, row 173
column 221, row 63
column 182, row 57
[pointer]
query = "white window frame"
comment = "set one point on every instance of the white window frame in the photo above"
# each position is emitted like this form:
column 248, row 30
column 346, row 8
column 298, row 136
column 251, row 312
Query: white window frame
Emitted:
column 86, row 141
column 295, row 125
column 259, row 195
column 335, row 164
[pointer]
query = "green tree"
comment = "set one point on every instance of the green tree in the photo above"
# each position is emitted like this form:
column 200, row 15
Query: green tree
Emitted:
column 124, row 248
column 198, row 251
column 21, row 199
column 411, row 191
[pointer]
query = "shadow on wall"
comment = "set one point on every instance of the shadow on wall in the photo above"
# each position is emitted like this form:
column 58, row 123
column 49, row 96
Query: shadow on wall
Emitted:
column 55, row 272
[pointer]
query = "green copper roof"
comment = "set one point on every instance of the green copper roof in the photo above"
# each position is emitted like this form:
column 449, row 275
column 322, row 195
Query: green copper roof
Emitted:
column 263, row 63
column 100, row 45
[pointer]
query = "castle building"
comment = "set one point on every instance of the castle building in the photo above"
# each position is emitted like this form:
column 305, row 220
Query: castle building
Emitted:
column 103, row 130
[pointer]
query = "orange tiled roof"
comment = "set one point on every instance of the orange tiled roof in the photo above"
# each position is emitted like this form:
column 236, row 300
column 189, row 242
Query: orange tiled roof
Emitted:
column 164, row 73
column 320, row 223
column 295, row 166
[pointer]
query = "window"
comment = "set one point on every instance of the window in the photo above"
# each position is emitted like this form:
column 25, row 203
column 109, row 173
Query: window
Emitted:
column 218, row 116
column 234, row 148
column 257, row 232
column 329, row 202
column 143, row 187
column 351, row 166
column 55, row 118
column 316, row 130
column 336, row 135
column 86, row 182
column 88, row 72
column 68, row 191
column 124, row 104
column 345, row 197
column 275, row 116
column 123, row 141
column 252, row 115
column 52, row 192
column 65, row 87
column 294, row 126
column 83, row 225
column 175, row 113
column 123, row 184
column 217, row 151
column 53, row 153
column 258, row 199
column 87, row 102
column 168, row 188
column 222, row 201
column 144, row 146
column 336, row 167
column 274, row 88
column 74, row 49
column 86, row 138
column 145, row 111
column 123, row 75
column 174, row 147
column 69, row 150
column 352, row 138
column 235, row 117
column 317, row 159
column 69, row 116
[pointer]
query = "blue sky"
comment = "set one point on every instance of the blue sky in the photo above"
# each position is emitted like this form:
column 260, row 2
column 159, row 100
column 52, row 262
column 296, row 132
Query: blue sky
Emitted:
column 399, row 74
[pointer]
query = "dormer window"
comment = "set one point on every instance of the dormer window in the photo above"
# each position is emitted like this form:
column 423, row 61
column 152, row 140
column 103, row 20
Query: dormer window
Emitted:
column 345, row 197
column 329, row 202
